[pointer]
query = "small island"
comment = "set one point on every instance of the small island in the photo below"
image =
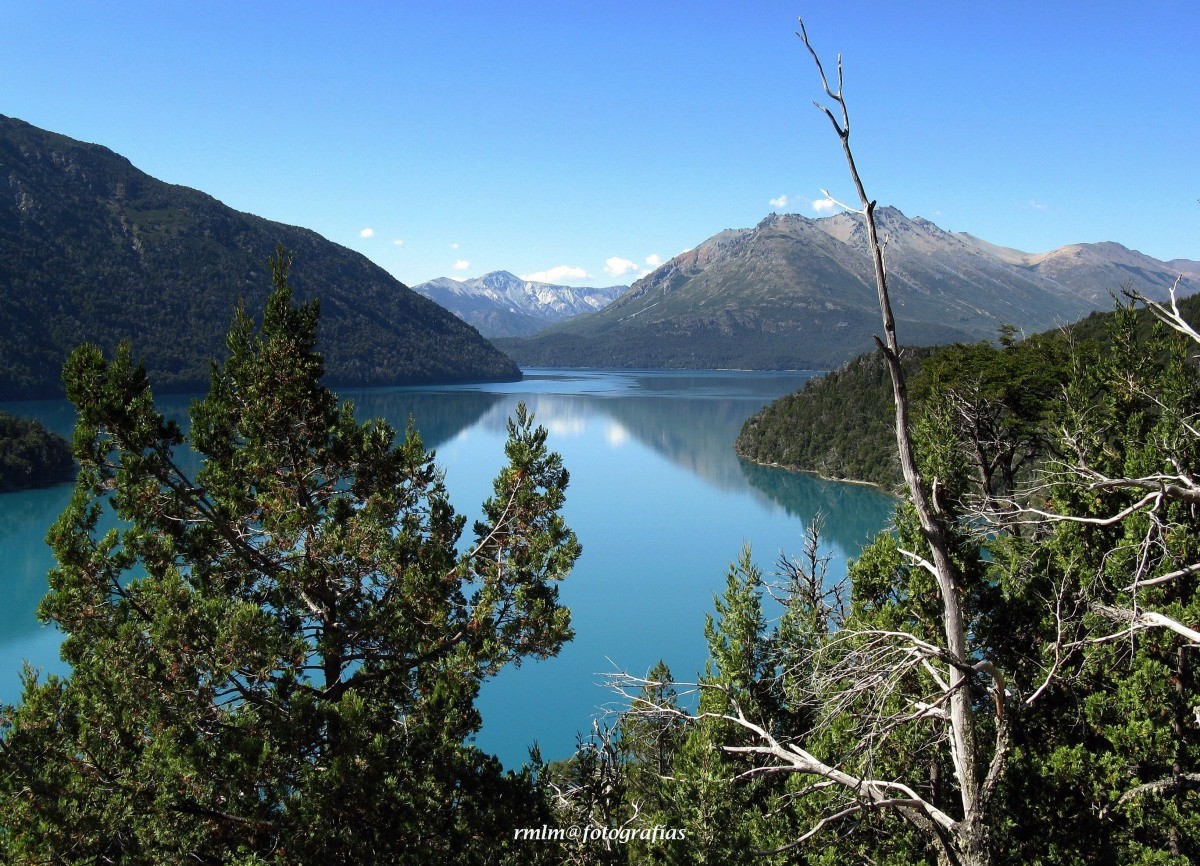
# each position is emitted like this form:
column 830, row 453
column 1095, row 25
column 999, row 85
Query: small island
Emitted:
column 31, row 455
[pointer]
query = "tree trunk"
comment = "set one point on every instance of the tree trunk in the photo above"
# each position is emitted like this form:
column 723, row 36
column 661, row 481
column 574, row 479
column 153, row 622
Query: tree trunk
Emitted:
column 975, row 842
column 1177, row 730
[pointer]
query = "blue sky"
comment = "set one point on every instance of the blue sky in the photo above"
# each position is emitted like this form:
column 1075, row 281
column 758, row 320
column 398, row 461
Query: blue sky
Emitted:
column 585, row 142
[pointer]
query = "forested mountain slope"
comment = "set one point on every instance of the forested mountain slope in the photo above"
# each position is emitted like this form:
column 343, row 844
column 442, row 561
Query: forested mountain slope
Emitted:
column 94, row 250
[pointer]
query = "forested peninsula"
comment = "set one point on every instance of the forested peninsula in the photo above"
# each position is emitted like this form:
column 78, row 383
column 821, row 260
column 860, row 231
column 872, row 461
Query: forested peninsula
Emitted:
column 842, row 425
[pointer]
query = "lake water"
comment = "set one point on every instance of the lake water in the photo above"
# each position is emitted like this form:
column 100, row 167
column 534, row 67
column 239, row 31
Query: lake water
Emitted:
column 658, row 499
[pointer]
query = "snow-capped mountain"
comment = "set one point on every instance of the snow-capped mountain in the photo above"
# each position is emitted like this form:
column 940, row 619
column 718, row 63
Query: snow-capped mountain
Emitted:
column 501, row 304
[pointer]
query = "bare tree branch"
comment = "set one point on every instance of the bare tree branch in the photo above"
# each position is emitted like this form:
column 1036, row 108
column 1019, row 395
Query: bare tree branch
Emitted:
column 962, row 713
column 1144, row 619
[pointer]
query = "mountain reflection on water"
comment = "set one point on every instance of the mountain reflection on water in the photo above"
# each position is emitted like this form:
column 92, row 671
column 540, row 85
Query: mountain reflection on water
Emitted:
column 695, row 433
column 658, row 499
column 438, row 416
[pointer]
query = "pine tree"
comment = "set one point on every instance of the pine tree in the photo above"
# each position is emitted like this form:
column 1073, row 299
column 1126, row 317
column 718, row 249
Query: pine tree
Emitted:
column 276, row 659
column 650, row 734
column 723, row 814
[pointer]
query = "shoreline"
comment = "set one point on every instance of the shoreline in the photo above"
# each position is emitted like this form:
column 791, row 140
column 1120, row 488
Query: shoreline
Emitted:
column 813, row 472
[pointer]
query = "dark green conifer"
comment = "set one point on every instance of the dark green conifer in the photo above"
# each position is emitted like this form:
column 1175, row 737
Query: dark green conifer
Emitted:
column 275, row 658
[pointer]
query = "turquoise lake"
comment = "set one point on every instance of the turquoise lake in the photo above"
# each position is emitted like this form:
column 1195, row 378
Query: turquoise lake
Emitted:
column 658, row 499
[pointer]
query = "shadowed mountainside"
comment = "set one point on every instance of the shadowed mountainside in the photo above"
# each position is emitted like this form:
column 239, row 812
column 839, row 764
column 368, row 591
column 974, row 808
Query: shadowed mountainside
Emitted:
column 94, row 250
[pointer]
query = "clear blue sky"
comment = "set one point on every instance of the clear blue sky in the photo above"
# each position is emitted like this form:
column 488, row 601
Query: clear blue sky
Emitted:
column 529, row 136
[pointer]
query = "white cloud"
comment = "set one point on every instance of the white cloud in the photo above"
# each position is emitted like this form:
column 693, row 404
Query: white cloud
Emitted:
column 824, row 205
column 780, row 202
column 398, row 243
column 1036, row 205
column 653, row 261
column 461, row 265
column 367, row 233
column 455, row 246
column 557, row 274
column 617, row 266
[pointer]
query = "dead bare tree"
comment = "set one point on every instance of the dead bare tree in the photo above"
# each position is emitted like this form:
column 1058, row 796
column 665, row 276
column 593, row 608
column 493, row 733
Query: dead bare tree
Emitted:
column 804, row 581
column 886, row 680
column 975, row 777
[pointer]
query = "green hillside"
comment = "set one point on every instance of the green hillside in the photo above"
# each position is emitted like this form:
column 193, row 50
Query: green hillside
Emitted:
column 839, row 426
column 94, row 250
column 842, row 424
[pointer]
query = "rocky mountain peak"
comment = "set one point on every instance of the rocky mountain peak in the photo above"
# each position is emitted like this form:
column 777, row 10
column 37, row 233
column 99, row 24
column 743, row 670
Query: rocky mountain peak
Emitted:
column 799, row 292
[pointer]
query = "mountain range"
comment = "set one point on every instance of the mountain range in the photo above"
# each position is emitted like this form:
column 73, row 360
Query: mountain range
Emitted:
column 794, row 292
column 501, row 304
column 92, row 249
